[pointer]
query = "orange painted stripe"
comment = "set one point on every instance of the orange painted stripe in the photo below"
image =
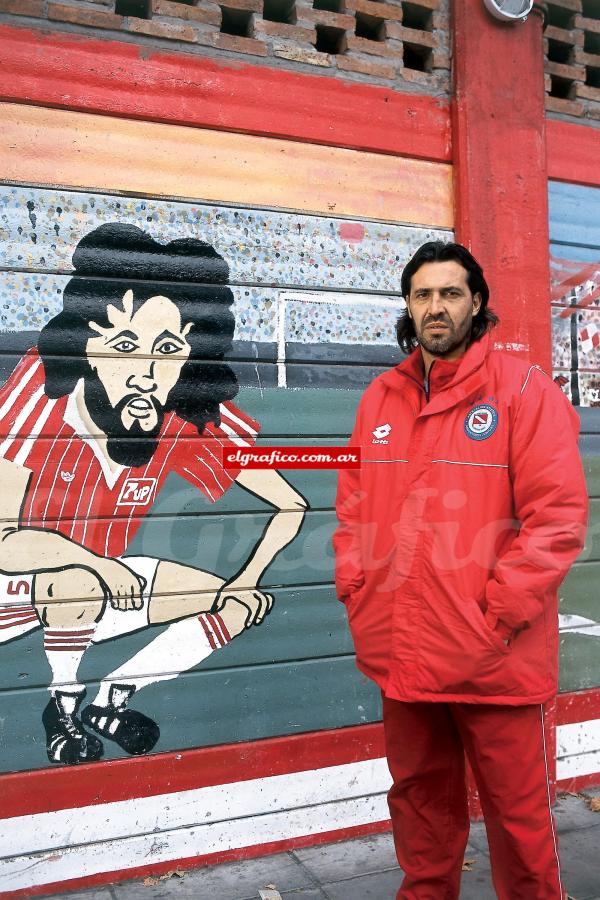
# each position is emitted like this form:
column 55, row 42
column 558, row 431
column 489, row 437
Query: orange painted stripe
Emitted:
column 80, row 150
column 226, row 94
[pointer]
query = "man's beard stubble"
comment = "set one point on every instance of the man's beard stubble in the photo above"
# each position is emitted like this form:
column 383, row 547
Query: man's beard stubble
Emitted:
column 131, row 447
column 442, row 344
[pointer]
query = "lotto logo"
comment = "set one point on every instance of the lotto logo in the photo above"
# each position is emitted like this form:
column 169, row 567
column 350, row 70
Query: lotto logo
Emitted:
column 381, row 432
column 137, row 492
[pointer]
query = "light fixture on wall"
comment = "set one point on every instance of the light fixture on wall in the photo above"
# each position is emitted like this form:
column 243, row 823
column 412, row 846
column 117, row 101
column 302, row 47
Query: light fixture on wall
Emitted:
column 509, row 10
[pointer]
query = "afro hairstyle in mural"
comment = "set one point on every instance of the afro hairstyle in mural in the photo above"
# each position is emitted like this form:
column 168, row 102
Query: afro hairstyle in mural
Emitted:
column 116, row 258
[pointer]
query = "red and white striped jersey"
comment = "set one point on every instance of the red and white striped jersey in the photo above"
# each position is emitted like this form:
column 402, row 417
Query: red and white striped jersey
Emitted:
column 73, row 489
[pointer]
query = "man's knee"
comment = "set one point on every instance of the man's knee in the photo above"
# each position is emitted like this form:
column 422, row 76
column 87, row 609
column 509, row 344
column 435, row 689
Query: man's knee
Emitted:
column 68, row 597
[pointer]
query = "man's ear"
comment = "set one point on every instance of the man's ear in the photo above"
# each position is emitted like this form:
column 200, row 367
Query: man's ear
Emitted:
column 476, row 303
column 408, row 308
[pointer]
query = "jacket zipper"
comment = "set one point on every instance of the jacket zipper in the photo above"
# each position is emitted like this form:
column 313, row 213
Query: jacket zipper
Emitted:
column 427, row 381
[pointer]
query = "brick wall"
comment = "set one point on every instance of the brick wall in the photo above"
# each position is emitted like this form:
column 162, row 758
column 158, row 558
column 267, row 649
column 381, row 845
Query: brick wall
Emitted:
column 404, row 44
column 400, row 43
column 572, row 44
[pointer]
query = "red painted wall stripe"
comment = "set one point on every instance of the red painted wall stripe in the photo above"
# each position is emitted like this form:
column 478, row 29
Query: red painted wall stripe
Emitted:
column 578, row 707
column 44, row 790
column 578, row 783
column 573, row 152
column 74, row 72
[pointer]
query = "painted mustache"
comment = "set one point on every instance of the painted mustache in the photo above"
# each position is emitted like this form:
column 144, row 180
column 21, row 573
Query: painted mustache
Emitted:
column 139, row 407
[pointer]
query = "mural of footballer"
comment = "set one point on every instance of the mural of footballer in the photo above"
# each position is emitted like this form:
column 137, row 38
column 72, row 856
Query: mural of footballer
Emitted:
column 126, row 385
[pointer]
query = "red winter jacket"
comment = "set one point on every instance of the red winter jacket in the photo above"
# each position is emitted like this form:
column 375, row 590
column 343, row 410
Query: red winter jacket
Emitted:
column 458, row 528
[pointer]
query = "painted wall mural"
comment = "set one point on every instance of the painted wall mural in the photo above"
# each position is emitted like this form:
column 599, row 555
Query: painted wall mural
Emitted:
column 125, row 387
column 286, row 316
column 139, row 338
column 575, row 310
column 575, row 291
column 576, row 330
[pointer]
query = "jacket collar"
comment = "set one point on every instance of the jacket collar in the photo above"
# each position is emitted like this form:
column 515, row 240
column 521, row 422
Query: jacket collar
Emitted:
column 453, row 383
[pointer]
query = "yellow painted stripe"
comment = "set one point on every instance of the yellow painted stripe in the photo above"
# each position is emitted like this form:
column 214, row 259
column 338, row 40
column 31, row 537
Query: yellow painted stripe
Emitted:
column 70, row 149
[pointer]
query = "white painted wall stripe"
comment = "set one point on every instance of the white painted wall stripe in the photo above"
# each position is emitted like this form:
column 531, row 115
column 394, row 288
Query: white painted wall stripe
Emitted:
column 45, row 848
column 180, row 809
column 577, row 765
column 78, row 861
column 573, row 624
column 573, row 738
column 578, row 749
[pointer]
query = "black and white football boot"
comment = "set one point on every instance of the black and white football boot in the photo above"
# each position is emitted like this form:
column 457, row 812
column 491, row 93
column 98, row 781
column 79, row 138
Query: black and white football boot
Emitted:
column 66, row 739
column 131, row 730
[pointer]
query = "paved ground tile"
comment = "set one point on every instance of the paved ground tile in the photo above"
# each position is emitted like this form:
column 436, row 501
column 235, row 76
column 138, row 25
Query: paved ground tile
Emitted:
column 228, row 881
column 379, row 886
column 361, row 856
column 476, row 884
column 580, row 860
column 94, row 894
column 304, row 894
column 572, row 811
column 478, row 837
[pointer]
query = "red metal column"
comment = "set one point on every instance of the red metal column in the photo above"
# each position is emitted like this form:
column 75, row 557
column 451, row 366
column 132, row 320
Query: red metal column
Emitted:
column 500, row 168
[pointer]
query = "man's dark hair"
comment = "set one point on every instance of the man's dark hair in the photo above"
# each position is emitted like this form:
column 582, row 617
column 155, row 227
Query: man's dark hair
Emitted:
column 439, row 251
column 115, row 258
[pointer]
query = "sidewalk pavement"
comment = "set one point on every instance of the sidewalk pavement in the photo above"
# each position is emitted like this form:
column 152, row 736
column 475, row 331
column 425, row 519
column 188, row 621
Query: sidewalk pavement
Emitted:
column 365, row 869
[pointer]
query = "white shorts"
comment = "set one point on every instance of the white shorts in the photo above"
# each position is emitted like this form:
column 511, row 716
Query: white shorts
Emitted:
column 116, row 622
column 18, row 616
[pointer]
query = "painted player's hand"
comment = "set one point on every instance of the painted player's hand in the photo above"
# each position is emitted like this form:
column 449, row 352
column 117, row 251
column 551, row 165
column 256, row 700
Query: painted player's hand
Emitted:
column 123, row 586
column 256, row 602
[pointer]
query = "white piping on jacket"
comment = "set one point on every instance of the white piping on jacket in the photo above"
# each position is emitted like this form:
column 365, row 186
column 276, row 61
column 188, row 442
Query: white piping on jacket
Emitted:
column 385, row 460
column 458, row 462
column 528, row 374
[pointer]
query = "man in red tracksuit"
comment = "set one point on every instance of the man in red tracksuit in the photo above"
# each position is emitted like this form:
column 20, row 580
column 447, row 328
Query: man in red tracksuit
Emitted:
column 469, row 508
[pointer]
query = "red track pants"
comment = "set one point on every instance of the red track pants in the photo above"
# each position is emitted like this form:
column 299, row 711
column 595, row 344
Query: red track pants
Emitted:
column 505, row 745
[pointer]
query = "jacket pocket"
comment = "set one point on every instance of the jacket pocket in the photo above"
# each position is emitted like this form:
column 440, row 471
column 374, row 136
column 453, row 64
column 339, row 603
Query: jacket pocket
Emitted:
column 369, row 618
column 354, row 596
column 482, row 627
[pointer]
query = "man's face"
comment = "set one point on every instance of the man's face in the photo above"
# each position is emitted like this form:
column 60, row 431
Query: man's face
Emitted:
column 135, row 362
column 442, row 307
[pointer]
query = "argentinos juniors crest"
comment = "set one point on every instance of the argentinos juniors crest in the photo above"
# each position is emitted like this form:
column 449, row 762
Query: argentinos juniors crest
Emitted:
column 481, row 422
